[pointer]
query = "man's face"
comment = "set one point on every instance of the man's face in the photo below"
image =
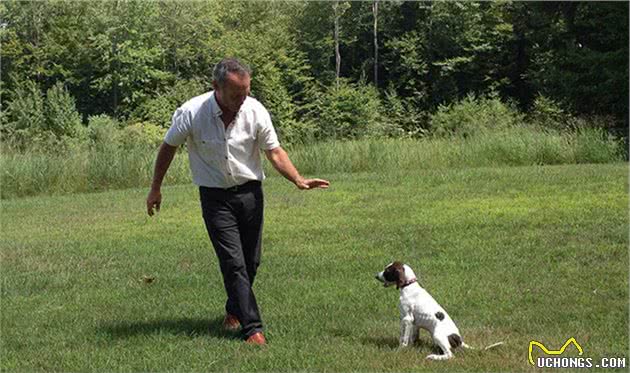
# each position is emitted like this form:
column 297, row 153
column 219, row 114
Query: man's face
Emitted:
column 233, row 92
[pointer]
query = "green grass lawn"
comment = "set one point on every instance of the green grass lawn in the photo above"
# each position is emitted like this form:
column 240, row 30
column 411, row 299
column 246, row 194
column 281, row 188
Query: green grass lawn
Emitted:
column 513, row 254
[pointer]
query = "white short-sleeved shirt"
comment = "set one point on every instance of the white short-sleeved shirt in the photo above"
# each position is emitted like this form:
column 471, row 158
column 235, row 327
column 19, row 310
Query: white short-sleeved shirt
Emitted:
column 220, row 157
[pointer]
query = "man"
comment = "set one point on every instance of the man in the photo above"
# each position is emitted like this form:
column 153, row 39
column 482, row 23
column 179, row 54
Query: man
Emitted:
column 225, row 130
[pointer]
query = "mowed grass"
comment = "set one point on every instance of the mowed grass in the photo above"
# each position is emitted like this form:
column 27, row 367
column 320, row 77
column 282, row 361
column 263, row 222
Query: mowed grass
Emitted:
column 513, row 254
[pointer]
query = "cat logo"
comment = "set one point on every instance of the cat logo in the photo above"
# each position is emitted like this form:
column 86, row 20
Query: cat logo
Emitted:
column 553, row 352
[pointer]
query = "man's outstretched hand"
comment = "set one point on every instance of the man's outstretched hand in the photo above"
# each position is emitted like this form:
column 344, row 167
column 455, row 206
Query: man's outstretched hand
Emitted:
column 312, row 183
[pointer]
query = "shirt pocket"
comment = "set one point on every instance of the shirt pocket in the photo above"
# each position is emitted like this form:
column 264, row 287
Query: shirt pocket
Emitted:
column 211, row 150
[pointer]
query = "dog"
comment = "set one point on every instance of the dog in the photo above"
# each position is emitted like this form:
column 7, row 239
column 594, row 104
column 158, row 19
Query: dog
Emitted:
column 418, row 310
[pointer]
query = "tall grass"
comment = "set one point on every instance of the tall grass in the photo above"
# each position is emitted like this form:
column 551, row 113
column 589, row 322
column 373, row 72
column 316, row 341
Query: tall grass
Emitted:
column 33, row 173
column 96, row 169
column 516, row 146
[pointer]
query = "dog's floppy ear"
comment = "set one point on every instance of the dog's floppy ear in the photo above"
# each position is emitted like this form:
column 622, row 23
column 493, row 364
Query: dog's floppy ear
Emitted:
column 395, row 273
column 400, row 270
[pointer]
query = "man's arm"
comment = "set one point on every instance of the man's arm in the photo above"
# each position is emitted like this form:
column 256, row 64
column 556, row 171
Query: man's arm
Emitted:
column 162, row 163
column 281, row 162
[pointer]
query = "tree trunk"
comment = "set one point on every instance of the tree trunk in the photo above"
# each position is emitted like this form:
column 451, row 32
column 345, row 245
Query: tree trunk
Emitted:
column 337, row 54
column 115, row 66
column 375, row 12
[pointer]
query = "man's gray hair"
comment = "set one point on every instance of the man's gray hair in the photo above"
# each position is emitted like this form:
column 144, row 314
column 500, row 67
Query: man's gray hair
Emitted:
column 229, row 65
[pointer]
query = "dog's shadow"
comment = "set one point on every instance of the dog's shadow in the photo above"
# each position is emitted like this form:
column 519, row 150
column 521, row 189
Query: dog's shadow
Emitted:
column 185, row 326
column 392, row 343
column 388, row 343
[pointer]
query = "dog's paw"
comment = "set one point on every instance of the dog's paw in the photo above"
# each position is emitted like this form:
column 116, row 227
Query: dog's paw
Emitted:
column 438, row 357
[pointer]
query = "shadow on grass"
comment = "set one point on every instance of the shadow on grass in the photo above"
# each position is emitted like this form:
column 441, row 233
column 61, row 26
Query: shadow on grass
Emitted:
column 185, row 326
column 391, row 343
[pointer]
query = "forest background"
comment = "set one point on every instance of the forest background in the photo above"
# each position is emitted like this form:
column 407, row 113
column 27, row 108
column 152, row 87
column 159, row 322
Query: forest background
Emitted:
column 96, row 78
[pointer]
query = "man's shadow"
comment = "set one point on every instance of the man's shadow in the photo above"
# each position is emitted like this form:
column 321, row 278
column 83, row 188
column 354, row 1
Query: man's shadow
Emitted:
column 185, row 326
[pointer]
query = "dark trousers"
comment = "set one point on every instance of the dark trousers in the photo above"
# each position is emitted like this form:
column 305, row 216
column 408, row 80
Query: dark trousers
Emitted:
column 234, row 220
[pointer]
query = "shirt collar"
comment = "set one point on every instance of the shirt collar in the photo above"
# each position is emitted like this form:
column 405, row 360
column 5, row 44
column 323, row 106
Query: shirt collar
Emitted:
column 214, row 106
column 216, row 109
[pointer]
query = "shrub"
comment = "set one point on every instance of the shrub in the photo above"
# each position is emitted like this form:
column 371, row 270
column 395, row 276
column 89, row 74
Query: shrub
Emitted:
column 25, row 115
column 141, row 135
column 293, row 131
column 159, row 109
column 103, row 132
column 42, row 123
column 62, row 117
column 404, row 119
column 473, row 115
column 350, row 111
column 547, row 113
column 271, row 87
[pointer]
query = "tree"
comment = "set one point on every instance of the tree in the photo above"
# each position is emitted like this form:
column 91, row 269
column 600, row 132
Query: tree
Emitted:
column 339, row 9
column 375, row 12
column 136, row 59
column 579, row 56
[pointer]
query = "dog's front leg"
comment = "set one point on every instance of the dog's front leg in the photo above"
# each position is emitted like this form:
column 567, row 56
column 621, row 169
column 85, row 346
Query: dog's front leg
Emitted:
column 406, row 331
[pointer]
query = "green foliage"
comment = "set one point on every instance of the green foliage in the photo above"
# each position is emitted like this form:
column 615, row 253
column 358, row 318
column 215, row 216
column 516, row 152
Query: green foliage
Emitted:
column 272, row 90
column 25, row 115
column 137, row 61
column 595, row 145
column 107, row 136
column 127, row 60
column 404, row 118
column 350, row 111
column 313, row 27
column 407, row 59
column 580, row 55
column 62, row 117
column 47, row 122
column 103, row 132
column 512, row 146
column 123, row 158
column 597, row 130
column 546, row 113
column 518, row 146
column 142, row 135
column 159, row 108
column 257, row 33
column 472, row 116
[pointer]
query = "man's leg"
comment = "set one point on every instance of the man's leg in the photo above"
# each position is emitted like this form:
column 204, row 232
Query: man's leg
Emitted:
column 251, row 228
column 219, row 211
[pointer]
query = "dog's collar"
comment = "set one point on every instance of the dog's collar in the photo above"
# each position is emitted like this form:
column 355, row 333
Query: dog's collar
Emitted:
column 408, row 283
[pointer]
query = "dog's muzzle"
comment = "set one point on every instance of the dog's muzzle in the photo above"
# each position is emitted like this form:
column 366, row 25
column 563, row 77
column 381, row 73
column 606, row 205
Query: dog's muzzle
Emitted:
column 379, row 277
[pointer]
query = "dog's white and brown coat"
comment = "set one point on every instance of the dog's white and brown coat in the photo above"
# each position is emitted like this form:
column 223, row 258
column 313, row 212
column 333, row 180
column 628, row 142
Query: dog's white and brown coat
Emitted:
column 418, row 310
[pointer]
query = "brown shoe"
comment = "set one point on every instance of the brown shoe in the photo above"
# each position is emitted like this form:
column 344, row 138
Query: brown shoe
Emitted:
column 231, row 323
column 256, row 339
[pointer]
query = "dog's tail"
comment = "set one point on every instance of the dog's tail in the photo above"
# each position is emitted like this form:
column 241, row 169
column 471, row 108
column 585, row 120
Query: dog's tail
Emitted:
column 485, row 348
